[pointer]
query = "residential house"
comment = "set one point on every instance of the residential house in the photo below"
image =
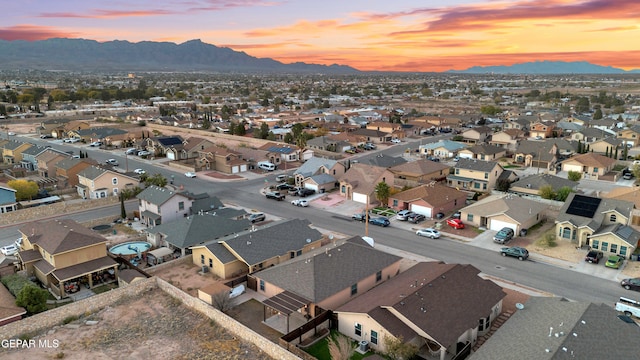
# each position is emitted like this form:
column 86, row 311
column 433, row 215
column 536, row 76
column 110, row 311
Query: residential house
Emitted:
column 318, row 166
column 384, row 126
column 9, row 311
column 67, row 171
column 498, row 211
column 191, row 147
column 373, row 136
column 625, row 193
column 53, row 127
column 542, row 129
column 29, row 160
column 630, row 136
column 414, row 173
column 443, row 149
column 530, row 186
column 252, row 156
column 520, row 123
column 96, row 182
column 590, row 135
column 418, row 306
column 159, row 205
column 483, row 152
column 543, row 154
column 8, row 201
column 384, row 161
column 590, row 165
column 74, row 125
column 326, row 278
column 359, row 182
column 47, row 161
column 222, row 159
column 475, row 175
column 328, row 143
column 12, row 151
column 259, row 248
column 579, row 119
column 64, row 255
column 507, row 139
column 599, row 223
column 565, row 128
column 278, row 153
column 609, row 146
column 105, row 134
column 182, row 233
column 428, row 200
column 477, row 135
column 164, row 145
column 555, row 328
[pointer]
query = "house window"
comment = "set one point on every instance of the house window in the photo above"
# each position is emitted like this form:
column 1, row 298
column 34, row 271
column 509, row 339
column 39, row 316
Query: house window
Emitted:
column 605, row 246
column 486, row 175
column 358, row 328
column 379, row 276
column 114, row 181
column 374, row 337
column 457, row 171
column 565, row 233
column 595, row 244
column 623, row 251
column 292, row 255
column 261, row 285
column 476, row 185
column 343, row 189
column 484, row 186
column 455, row 202
column 299, row 252
column 181, row 205
column 211, row 263
column 614, row 248
column 595, row 170
column 202, row 259
column 469, row 217
column 395, row 203
column 483, row 324
column 612, row 217
column 354, row 289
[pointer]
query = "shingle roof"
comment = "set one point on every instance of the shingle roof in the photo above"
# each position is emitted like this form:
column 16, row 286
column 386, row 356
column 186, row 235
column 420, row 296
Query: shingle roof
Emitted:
column 623, row 207
column 330, row 270
column 485, row 149
column 92, row 172
column 593, row 159
column 363, row 177
column 535, row 182
column 423, row 295
column 436, row 195
column 476, row 165
column 385, row 161
column 100, row 132
column 419, row 167
column 312, row 165
column 58, row 236
column 199, row 229
column 275, row 239
column 157, row 195
column 447, row 144
column 12, row 144
column 517, row 208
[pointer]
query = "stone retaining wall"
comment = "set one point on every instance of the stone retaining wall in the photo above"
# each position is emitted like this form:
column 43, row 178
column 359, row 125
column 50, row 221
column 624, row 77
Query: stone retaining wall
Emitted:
column 63, row 207
column 229, row 323
column 50, row 318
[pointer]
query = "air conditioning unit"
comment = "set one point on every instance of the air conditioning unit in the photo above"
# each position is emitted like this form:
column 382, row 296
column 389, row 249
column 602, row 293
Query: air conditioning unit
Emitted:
column 364, row 345
column 205, row 269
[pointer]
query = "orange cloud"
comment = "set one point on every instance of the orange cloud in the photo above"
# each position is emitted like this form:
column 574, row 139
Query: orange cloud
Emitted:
column 33, row 33
column 107, row 14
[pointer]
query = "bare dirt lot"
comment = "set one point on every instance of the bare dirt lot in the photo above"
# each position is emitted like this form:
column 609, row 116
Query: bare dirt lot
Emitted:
column 153, row 326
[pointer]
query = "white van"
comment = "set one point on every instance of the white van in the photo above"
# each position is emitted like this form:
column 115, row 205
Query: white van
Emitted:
column 265, row 165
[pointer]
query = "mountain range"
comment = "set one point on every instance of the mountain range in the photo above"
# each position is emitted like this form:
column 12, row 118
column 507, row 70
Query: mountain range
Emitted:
column 193, row 55
column 546, row 67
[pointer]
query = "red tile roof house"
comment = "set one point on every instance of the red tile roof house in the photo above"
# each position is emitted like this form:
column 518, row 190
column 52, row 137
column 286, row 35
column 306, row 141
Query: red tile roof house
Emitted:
column 429, row 200
column 426, row 306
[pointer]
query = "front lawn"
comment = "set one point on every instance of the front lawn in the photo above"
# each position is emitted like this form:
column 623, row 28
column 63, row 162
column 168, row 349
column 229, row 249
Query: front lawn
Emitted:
column 321, row 349
column 383, row 211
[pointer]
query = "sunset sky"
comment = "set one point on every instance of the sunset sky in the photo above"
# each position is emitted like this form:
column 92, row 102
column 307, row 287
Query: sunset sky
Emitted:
column 389, row 35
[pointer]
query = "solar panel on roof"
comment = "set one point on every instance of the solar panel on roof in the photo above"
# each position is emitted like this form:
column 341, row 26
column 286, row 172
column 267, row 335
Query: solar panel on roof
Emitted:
column 584, row 206
column 283, row 150
column 170, row 141
column 625, row 232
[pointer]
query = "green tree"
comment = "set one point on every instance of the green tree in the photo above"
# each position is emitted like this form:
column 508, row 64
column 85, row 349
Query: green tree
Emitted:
column 503, row 185
column 288, row 138
column 382, row 191
column 397, row 349
column 636, row 171
column 583, row 105
column 25, row 189
column 33, row 299
column 156, row 179
column 574, row 175
column 597, row 115
column 563, row 193
column 546, row 192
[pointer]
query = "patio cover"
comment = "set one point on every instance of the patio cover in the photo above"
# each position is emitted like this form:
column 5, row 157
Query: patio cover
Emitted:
column 84, row 268
column 160, row 252
column 286, row 302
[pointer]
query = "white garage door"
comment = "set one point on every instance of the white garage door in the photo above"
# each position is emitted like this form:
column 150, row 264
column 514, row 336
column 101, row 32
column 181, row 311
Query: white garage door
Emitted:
column 243, row 168
column 426, row 211
column 568, row 167
column 497, row 225
column 170, row 155
column 235, row 169
column 313, row 187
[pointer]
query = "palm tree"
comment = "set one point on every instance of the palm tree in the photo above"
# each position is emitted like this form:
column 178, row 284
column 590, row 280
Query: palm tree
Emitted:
column 382, row 191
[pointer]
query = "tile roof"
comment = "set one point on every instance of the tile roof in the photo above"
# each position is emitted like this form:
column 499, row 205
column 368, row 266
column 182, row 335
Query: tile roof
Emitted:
column 58, row 236
column 199, row 229
column 328, row 270
column 422, row 296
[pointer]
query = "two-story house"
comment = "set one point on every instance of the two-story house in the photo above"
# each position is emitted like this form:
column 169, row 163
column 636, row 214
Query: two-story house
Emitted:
column 315, row 167
column 65, row 255
column 475, row 175
column 278, row 153
column 158, row 205
column 48, row 159
column 507, row 139
column 542, row 129
column 360, row 181
column 423, row 171
column 8, row 201
column 67, row 170
column 602, row 224
column 221, row 159
column 630, row 136
column 483, row 152
column 29, row 160
column 95, row 183
column 12, row 151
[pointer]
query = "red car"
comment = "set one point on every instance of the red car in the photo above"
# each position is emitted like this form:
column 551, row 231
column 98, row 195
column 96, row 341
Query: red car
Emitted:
column 455, row 223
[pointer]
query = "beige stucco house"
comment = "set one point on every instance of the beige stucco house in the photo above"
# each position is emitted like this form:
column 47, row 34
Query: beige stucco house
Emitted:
column 499, row 211
column 95, row 182
column 359, row 182
column 475, row 175
column 590, row 165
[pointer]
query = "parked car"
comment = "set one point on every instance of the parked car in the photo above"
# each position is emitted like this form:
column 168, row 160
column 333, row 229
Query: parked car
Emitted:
column 359, row 216
column 456, row 215
column 402, row 215
column 379, row 221
column 18, row 243
column 433, row 158
column 627, row 176
column 614, row 262
column 515, row 251
column 283, row 186
column 275, row 195
column 631, row 284
column 350, row 151
column 504, row 235
column 281, row 178
column 46, row 136
column 113, row 162
column 455, row 223
column 440, row 216
column 256, row 217
column 96, row 144
column 300, row 202
column 416, row 218
column 9, row 250
column 305, row 192
column 593, row 256
column 396, row 141
column 190, row 174
column 66, row 140
column 131, row 151
column 74, row 140
column 144, row 153
column 429, row 232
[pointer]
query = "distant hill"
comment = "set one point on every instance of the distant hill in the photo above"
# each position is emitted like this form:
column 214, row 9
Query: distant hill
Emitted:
column 194, row 55
column 546, row 67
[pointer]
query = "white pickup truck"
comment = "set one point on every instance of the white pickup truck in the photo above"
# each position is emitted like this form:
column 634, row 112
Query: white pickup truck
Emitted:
column 628, row 307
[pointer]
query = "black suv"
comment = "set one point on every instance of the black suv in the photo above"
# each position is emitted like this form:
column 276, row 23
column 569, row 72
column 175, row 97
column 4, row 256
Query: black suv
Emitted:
column 305, row 192
column 594, row 256
column 415, row 218
column 504, row 235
